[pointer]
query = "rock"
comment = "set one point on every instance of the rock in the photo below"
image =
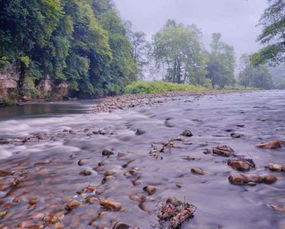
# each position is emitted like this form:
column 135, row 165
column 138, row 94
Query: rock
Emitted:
column 110, row 172
column 240, row 179
column 236, row 135
column 111, row 205
column 5, row 173
column 186, row 133
column 276, row 167
column 150, row 189
column 174, row 213
column 224, row 151
column 277, row 208
column 91, row 200
column 140, row 132
column 81, row 162
column 271, row 145
column 269, row 179
column 198, row 171
column 107, row 152
column 33, row 201
column 72, row 204
column 121, row 226
column 241, row 164
column 85, row 172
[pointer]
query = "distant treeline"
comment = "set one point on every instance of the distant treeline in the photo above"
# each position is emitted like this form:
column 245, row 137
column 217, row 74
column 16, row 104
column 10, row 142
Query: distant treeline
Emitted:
column 85, row 45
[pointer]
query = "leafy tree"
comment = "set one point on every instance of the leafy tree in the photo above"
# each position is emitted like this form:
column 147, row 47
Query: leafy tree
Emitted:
column 178, row 49
column 273, row 34
column 141, row 50
column 83, row 43
column 221, row 63
column 254, row 76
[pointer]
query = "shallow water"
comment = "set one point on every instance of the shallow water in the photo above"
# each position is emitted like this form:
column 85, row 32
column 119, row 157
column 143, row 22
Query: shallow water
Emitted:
column 48, row 169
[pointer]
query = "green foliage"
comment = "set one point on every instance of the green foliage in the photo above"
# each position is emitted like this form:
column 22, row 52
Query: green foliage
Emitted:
column 273, row 22
column 145, row 87
column 177, row 48
column 83, row 43
column 254, row 76
column 221, row 63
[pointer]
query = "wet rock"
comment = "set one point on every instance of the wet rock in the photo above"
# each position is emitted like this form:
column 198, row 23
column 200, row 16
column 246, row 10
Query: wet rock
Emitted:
column 121, row 226
column 72, row 204
column 107, row 152
column 3, row 214
column 224, row 151
column 277, row 208
column 271, row 145
column 38, row 216
column 167, row 123
column 140, row 132
column 33, row 201
column 186, row 133
column 81, row 162
column 55, row 217
column 241, row 164
column 150, row 189
column 85, row 172
column 236, row 135
column 110, row 172
column 208, row 151
column 269, row 179
column 111, row 205
column 174, row 213
column 240, row 179
column 276, row 167
column 91, row 200
column 198, row 171
column 5, row 173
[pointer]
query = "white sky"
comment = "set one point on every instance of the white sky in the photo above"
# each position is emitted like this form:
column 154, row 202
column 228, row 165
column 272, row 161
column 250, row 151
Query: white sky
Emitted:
column 235, row 19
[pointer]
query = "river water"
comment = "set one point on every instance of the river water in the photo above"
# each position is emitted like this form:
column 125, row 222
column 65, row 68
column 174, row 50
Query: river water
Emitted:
column 46, row 168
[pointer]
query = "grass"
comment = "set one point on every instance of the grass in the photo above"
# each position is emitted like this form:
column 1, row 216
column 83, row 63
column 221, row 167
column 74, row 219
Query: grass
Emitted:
column 145, row 87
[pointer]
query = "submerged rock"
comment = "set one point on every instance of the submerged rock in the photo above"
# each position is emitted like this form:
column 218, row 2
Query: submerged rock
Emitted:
column 111, row 205
column 198, row 171
column 236, row 135
column 277, row 144
column 224, row 151
column 187, row 133
column 241, row 164
column 72, row 204
column 150, row 189
column 107, row 152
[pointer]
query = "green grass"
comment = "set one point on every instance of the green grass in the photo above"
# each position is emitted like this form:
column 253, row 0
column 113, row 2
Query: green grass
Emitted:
column 145, row 87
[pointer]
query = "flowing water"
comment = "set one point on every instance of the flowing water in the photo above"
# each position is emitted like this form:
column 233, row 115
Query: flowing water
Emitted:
column 46, row 168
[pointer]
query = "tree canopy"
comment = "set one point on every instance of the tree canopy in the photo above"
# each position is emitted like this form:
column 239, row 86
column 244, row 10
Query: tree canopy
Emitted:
column 177, row 48
column 273, row 34
column 82, row 43
column 221, row 63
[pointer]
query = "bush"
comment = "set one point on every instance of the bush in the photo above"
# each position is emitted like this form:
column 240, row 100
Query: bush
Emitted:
column 145, row 87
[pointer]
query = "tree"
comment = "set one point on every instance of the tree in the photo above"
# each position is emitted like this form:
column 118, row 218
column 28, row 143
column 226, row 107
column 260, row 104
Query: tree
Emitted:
column 178, row 49
column 141, row 50
column 80, row 43
column 221, row 63
column 273, row 34
column 254, row 76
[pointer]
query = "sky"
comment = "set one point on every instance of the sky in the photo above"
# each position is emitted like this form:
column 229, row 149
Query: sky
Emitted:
column 236, row 20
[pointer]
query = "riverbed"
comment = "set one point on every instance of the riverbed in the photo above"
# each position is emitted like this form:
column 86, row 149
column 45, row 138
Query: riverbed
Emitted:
column 54, row 151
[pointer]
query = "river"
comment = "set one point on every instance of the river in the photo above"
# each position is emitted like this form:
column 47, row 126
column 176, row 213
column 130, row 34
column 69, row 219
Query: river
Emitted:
column 60, row 134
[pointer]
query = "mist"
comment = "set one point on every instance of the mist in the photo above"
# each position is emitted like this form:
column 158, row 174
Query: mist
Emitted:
column 236, row 20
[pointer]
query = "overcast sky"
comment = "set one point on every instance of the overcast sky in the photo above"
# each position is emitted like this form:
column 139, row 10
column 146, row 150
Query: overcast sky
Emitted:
column 235, row 19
